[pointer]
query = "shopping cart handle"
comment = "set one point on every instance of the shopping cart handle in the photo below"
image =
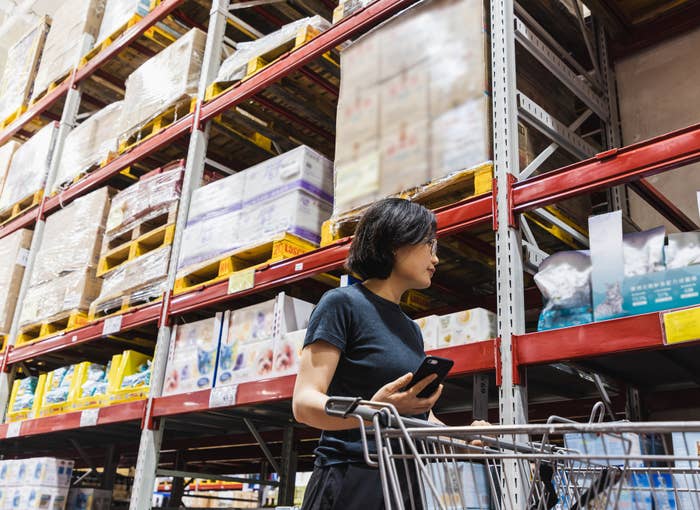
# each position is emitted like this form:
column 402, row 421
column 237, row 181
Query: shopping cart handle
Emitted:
column 341, row 406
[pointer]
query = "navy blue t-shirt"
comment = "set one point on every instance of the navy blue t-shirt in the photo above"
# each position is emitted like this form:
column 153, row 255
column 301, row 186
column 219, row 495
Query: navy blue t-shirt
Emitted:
column 378, row 342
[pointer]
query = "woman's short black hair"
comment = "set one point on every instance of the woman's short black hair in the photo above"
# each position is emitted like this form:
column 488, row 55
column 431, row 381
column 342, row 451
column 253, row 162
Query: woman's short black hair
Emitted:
column 386, row 226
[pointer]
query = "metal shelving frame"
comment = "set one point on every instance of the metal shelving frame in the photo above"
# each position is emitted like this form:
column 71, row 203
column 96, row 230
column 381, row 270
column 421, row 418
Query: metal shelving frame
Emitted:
column 515, row 191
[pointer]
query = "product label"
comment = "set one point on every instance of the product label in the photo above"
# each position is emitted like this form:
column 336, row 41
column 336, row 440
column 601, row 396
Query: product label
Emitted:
column 223, row 396
column 681, row 326
column 13, row 429
column 23, row 257
column 241, row 280
column 112, row 325
column 89, row 417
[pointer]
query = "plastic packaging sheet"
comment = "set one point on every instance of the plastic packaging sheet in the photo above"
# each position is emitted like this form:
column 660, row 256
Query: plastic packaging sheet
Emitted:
column 7, row 152
column 62, row 52
column 63, row 278
column 683, row 250
column 58, row 385
column 95, row 381
column 234, row 68
column 14, row 250
column 24, row 399
column 163, row 80
column 20, row 69
column 143, row 278
column 117, row 14
column 89, row 144
column 144, row 200
column 414, row 104
column 29, row 167
column 644, row 251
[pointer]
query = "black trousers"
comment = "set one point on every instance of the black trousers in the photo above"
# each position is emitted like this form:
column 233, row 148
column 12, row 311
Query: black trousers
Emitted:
column 351, row 487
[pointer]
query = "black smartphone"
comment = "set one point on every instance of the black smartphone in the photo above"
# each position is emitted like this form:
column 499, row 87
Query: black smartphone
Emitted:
column 431, row 365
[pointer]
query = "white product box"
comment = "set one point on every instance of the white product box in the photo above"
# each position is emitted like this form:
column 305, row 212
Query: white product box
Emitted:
column 42, row 498
column 192, row 356
column 7, row 472
column 466, row 327
column 463, row 482
column 46, row 471
column 89, row 499
column 429, row 329
column 287, row 352
column 296, row 212
column 405, row 157
column 209, row 239
column 404, row 98
column 300, row 168
column 217, row 198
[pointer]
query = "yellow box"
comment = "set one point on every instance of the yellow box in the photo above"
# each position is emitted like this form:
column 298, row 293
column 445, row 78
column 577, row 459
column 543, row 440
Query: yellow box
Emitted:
column 24, row 414
column 54, row 380
column 82, row 374
column 124, row 365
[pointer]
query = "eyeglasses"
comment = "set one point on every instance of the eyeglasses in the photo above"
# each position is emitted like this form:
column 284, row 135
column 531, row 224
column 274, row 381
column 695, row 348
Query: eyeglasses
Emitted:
column 433, row 245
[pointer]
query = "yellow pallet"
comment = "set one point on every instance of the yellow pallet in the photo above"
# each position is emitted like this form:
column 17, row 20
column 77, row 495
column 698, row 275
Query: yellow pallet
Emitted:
column 13, row 116
column 157, row 124
column 3, row 343
column 151, row 241
column 21, row 206
column 124, row 304
column 459, row 186
column 257, row 64
column 255, row 138
column 282, row 247
column 63, row 323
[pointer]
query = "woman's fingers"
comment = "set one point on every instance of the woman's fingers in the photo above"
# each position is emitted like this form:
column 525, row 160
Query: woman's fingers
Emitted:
column 422, row 384
column 400, row 383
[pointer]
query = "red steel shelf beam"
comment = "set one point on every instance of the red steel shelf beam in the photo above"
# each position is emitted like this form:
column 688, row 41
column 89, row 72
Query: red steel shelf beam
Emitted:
column 128, row 37
column 469, row 359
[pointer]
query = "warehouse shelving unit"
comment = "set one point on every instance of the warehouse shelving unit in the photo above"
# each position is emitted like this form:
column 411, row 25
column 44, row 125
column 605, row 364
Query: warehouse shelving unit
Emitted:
column 258, row 412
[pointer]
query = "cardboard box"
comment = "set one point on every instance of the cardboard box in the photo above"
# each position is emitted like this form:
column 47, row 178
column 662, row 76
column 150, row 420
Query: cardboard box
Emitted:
column 287, row 352
column 404, row 99
column 7, row 151
column 466, row 327
column 80, row 498
column 209, row 240
column 39, row 498
column 405, row 158
column 359, row 64
column 192, row 356
column 217, row 198
column 71, row 22
column 14, row 252
column 357, row 122
column 429, row 329
column 661, row 290
column 357, row 178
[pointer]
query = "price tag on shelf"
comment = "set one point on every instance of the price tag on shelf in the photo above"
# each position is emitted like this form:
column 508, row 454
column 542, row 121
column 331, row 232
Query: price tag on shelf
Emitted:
column 13, row 429
column 89, row 417
column 681, row 326
column 299, row 266
column 241, row 280
column 224, row 396
column 23, row 257
column 112, row 325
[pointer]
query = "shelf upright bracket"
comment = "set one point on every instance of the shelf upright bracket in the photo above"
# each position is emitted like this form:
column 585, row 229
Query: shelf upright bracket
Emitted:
column 66, row 124
column 152, row 437
column 509, row 264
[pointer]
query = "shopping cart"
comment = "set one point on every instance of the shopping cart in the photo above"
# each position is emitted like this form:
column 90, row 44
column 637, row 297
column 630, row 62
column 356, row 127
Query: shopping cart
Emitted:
column 560, row 464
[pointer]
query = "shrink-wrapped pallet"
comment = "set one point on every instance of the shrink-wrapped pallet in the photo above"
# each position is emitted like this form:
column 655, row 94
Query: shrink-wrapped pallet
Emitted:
column 14, row 251
column 7, row 152
column 117, row 14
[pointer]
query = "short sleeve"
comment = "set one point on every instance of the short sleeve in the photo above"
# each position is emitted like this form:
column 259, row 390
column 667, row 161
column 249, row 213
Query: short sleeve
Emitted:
column 330, row 321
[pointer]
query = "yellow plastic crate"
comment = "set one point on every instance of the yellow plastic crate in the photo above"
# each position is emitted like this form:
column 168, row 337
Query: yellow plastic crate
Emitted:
column 124, row 365
column 91, row 401
column 53, row 380
column 24, row 414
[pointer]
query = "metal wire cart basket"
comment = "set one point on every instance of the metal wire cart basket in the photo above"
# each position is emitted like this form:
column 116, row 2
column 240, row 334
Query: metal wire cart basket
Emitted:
column 561, row 464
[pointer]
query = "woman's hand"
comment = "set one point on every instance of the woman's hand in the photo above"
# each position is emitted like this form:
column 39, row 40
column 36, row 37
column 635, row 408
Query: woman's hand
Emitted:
column 407, row 402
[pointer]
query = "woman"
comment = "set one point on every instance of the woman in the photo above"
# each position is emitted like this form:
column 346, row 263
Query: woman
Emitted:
column 360, row 343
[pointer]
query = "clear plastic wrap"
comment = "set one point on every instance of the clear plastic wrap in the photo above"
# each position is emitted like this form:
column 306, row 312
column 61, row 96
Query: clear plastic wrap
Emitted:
column 414, row 104
column 163, row 80
column 153, row 195
column 24, row 397
column 209, row 239
column 141, row 377
column 14, row 250
column 143, row 278
column 71, row 21
column 58, row 386
column 29, row 167
column 192, row 356
column 89, row 144
column 20, row 69
column 683, row 250
column 117, row 14
column 7, row 151
column 95, row 381
column 644, row 251
column 234, row 68
column 564, row 279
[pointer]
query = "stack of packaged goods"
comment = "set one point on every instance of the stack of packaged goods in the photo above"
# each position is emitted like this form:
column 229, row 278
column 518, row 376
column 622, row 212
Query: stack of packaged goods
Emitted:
column 192, row 356
column 91, row 385
column 91, row 143
column 14, row 252
column 169, row 79
column 621, row 275
column 72, row 22
column 414, row 105
column 253, row 337
column 33, row 484
column 25, row 398
column 129, row 377
column 119, row 14
column 59, row 391
column 290, row 193
column 63, row 282
column 459, row 328
column 28, row 169
column 237, row 66
column 136, row 249
column 7, row 152
column 20, row 70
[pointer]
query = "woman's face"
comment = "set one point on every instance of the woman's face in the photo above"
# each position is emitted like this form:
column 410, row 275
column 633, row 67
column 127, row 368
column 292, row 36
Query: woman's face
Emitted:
column 415, row 264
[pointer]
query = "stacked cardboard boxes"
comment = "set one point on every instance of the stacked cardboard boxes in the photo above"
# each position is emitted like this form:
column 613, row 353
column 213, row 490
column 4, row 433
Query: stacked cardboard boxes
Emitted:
column 33, row 484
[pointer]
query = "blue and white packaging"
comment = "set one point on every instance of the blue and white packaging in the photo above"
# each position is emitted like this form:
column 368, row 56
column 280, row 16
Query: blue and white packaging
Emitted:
column 460, row 485
column 687, row 445
column 608, row 265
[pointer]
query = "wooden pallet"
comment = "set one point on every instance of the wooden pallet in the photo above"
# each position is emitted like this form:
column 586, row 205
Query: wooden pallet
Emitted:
column 55, row 83
column 255, row 65
column 13, row 116
column 156, row 33
column 156, row 125
column 139, row 230
column 21, row 206
column 282, row 247
column 151, row 241
column 59, row 324
column 119, row 305
column 459, row 186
